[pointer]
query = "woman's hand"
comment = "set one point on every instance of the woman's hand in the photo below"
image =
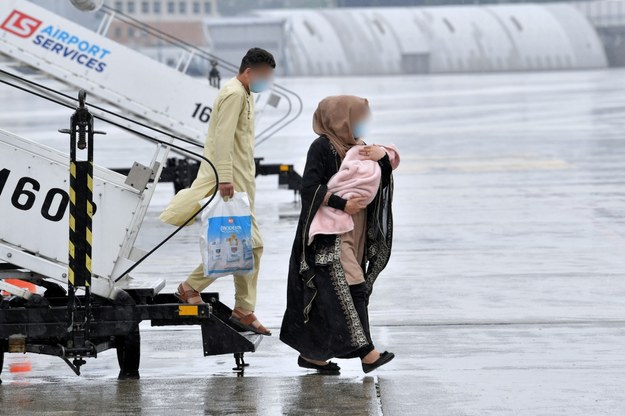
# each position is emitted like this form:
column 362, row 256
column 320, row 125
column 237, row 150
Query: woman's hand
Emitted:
column 372, row 152
column 354, row 205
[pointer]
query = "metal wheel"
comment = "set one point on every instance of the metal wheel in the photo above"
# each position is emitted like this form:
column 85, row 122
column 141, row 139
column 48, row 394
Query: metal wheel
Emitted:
column 1, row 361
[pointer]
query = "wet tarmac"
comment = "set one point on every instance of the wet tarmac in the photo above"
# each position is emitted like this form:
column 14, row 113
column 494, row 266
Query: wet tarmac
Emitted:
column 505, row 294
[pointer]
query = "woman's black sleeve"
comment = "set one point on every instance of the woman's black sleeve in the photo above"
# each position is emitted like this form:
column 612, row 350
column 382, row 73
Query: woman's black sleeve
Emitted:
column 387, row 170
column 313, row 179
column 337, row 202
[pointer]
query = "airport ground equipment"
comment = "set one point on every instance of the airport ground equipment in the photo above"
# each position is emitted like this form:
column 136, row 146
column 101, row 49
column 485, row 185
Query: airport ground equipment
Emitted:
column 183, row 171
column 69, row 227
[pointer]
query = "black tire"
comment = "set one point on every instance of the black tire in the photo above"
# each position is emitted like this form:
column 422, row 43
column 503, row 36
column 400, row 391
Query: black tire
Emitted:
column 1, row 361
column 129, row 355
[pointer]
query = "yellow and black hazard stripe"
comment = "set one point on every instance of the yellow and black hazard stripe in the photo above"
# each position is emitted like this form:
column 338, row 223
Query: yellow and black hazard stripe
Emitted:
column 81, row 211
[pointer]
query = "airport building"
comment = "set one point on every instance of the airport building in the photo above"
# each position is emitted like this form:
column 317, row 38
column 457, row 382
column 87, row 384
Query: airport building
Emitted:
column 443, row 39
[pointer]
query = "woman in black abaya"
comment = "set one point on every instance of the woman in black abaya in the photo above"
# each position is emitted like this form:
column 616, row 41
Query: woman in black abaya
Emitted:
column 331, row 280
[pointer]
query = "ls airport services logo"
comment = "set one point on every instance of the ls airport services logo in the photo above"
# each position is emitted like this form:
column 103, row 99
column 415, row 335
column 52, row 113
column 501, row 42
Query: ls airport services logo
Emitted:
column 20, row 24
column 54, row 39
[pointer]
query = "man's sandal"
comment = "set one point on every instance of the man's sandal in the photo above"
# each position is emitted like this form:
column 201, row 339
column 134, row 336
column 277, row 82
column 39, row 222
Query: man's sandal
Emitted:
column 188, row 296
column 245, row 322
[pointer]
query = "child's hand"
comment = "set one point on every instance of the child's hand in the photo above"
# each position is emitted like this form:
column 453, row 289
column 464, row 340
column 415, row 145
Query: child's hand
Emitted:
column 372, row 152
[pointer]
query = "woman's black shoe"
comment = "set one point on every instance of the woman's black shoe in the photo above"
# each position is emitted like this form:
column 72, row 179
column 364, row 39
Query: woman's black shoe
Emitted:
column 385, row 357
column 330, row 368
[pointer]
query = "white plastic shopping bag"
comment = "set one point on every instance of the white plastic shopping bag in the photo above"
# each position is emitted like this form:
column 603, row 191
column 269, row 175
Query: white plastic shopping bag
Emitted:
column 226, row 237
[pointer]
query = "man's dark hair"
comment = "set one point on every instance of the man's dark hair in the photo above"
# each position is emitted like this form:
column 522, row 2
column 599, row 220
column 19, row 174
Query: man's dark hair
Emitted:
column 256, row 57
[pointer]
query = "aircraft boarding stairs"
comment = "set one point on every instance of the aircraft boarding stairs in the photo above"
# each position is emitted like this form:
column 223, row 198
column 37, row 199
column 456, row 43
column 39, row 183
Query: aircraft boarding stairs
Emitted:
column 78, row 317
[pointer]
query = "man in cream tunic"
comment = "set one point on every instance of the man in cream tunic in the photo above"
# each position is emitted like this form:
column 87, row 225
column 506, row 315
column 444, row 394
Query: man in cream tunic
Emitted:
column 230, row 147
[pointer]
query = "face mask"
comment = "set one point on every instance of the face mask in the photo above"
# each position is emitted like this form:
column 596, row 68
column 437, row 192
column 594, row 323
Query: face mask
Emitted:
column 259, row 85
column 360, row 129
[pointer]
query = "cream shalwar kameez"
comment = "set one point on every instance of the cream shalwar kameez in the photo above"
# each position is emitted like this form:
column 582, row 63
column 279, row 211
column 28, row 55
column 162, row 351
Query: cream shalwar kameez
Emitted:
column 230, row 147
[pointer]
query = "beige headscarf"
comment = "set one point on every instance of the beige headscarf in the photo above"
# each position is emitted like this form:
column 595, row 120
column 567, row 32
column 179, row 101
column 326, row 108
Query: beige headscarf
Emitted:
column 334, row 118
